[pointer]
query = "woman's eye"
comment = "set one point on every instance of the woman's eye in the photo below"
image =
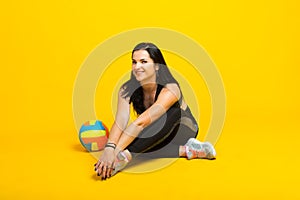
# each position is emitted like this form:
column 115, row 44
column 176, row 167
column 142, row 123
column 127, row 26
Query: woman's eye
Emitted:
column 144, row 61
column 133, row 62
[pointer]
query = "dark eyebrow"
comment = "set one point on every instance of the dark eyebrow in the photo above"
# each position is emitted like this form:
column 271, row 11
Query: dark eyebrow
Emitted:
column 142, row 59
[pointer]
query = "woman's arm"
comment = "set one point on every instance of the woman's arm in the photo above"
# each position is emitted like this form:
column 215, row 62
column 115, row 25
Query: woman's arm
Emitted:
column 167, row 97
column 121, row 120
column 123, row 136
column 107, row 159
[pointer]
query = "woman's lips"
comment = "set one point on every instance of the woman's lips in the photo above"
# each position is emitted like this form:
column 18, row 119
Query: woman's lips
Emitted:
column 139, row 72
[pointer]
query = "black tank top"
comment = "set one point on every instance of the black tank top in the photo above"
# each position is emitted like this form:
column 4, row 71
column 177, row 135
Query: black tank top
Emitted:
column 177, row 104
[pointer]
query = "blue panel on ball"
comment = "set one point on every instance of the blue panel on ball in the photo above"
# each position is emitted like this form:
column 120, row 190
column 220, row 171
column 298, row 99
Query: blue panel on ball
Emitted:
column 98, row 126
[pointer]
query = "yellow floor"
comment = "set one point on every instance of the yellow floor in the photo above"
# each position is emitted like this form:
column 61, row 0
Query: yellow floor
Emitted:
column 254, row 161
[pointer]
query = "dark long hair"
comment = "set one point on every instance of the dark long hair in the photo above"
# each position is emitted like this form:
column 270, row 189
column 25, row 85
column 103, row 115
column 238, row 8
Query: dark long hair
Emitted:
column 133, row 89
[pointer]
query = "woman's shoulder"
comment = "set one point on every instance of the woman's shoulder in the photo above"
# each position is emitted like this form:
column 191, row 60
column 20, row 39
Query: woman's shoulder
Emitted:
column 173, row 88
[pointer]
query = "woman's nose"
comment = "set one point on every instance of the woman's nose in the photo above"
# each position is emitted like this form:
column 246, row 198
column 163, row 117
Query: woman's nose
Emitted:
column 138, row 65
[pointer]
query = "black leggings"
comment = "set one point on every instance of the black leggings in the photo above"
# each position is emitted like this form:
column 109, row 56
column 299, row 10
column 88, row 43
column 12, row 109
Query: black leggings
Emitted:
column 162, row 138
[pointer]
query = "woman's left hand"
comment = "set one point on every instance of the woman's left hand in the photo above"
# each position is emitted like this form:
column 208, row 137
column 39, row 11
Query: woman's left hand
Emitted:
column 104, row 166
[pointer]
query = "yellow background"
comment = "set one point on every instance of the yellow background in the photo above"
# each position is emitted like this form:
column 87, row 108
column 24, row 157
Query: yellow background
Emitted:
column 255, row 46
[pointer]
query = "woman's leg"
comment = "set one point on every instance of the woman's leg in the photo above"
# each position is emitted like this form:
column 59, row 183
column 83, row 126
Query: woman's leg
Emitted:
column 164, row 136
column 171, row 149
column 171, row 136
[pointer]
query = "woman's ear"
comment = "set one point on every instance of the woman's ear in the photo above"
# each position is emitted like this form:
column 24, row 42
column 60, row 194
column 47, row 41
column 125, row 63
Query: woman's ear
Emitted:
column 156, row 67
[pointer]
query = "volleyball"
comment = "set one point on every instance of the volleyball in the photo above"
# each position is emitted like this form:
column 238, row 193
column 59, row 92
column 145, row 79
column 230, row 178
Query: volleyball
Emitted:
column 93, row 135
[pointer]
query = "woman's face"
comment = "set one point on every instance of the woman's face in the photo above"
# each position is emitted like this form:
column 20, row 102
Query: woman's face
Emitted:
column 143, row 67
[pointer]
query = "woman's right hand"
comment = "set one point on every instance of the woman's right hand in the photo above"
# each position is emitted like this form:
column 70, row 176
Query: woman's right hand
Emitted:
column 104, row 166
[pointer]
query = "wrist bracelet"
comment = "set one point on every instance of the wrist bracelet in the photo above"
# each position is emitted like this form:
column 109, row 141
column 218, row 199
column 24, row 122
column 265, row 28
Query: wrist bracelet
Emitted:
column 111, row 146
column 111, row 143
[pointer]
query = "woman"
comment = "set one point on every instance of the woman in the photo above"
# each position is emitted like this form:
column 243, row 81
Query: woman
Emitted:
column 164, row 126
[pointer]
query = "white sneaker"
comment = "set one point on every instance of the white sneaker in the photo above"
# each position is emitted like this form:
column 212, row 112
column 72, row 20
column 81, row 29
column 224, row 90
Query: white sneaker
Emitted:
column 121, row 162
column 197, row 149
